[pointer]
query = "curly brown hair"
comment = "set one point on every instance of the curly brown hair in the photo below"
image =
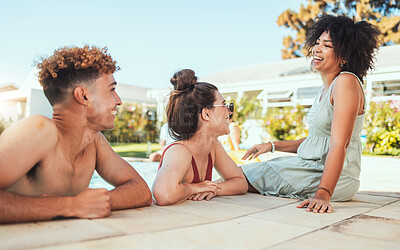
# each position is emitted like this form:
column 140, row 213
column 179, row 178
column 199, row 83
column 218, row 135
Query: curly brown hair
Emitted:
column 354, row 42
column 68, row 66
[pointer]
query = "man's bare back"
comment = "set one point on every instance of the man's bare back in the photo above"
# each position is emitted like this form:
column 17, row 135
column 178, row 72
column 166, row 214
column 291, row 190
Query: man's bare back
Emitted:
column 46, row 164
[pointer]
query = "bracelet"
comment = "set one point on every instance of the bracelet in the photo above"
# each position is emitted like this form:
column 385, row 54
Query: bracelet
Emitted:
column 329, row 192
column 273, row 146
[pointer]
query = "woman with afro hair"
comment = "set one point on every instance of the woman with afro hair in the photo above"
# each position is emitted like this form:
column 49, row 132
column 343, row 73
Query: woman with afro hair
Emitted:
column 328, row 161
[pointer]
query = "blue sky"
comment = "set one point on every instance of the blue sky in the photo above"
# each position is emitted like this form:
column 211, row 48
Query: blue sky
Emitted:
column 150, row 40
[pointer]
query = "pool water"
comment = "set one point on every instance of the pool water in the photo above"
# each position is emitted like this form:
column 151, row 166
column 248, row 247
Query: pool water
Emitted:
column 148, row 171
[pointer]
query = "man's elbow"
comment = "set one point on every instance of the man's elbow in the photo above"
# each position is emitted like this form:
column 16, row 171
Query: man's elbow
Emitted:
column 147, row 199
column 143, row 195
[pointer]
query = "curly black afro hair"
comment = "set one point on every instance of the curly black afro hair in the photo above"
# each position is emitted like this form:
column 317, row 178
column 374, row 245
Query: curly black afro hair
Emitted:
column 354, row 42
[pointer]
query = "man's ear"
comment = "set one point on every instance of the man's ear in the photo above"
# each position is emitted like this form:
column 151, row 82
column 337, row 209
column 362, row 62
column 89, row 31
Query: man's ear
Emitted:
column 205, row 114
column 80, row 95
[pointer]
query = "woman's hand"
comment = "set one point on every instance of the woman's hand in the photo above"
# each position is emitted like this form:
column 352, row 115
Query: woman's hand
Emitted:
column 205, row 186
column 257, row 149
column 317, row 205
column 202, row 196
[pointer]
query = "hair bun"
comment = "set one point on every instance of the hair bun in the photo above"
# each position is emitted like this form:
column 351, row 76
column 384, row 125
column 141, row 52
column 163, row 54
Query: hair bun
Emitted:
column 184, row 80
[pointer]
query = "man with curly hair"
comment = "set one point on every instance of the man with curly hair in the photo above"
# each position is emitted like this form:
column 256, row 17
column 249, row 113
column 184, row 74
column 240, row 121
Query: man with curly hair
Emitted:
column 46, row 164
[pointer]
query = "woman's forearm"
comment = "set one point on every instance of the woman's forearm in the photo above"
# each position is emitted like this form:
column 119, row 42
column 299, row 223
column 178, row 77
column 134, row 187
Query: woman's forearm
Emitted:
column 332, row 170
column 288, row 146
column 236, row 185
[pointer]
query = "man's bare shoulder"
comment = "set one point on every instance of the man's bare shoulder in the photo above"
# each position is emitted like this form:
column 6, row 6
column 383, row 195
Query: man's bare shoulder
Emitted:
column 36, row 128
column 101, row 142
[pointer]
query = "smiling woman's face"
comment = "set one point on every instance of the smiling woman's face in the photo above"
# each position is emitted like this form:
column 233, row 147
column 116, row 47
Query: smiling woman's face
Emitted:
column 219, row 118
column 324, row 58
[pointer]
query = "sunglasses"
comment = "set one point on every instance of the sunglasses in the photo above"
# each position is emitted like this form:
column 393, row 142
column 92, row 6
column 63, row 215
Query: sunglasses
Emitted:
column 229, row 106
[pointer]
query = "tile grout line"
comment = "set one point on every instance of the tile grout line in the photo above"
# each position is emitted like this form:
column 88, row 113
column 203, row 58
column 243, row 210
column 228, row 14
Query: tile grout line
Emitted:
column 382, row 205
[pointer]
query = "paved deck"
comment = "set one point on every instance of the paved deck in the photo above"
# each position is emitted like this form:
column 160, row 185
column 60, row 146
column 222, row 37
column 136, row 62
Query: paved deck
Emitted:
column 370, row 221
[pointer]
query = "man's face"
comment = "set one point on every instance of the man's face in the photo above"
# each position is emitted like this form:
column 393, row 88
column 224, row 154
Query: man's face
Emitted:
column 103, row 103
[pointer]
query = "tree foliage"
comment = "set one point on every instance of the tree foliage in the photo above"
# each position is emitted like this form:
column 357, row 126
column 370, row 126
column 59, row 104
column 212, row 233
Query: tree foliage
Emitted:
column 132, row 124
column 5, row 124
column 246, row 107
column 286, row 123
column 385, row 14
column 382, row 124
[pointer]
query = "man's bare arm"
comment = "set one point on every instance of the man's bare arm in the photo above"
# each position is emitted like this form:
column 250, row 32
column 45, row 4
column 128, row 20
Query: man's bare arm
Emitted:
column 91, row 203
column 130, row 189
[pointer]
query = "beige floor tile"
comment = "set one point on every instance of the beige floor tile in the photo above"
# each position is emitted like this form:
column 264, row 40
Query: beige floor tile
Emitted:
column 255, row 200
column 373, row 198
column 31, row 235
column 212, row 209
column 335, row 241
column 240, row 233
column 152, row 218
column 137, row 241
column 382, row 193
column 370, row 227
column 391, row 211
column 290, row 214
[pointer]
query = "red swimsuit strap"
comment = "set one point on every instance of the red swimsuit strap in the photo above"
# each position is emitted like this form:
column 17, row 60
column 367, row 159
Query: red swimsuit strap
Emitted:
column 162, row 156
column 196, row 176
column 209, row 168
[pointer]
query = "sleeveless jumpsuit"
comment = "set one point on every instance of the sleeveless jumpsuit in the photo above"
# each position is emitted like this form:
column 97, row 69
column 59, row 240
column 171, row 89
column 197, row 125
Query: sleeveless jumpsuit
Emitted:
column 299, row 176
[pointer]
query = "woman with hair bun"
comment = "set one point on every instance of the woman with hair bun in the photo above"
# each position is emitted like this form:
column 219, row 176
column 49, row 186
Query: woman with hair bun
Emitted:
column 328, row 161
column 197, row 114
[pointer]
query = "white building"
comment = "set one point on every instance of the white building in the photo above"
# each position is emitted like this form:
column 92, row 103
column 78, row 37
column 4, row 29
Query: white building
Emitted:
column 291, row 82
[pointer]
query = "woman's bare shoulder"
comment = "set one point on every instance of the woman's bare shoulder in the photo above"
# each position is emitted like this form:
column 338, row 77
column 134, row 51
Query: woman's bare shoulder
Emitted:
column 177, row 154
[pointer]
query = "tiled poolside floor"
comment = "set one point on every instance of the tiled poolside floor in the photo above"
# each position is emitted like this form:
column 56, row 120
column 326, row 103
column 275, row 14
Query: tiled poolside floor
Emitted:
column 370, row 221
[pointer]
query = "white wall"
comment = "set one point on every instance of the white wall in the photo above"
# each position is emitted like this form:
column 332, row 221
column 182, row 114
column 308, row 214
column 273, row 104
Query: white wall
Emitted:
column 38, row 104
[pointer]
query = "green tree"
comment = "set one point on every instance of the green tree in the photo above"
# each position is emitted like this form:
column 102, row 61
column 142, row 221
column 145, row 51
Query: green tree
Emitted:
column 385, row 14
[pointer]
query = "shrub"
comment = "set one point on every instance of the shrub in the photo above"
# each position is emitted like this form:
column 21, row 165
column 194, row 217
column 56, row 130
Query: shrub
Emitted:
column 132, row 124
column 286, row 123
column 4, row 124
column 382, row 125
column 246, row 107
